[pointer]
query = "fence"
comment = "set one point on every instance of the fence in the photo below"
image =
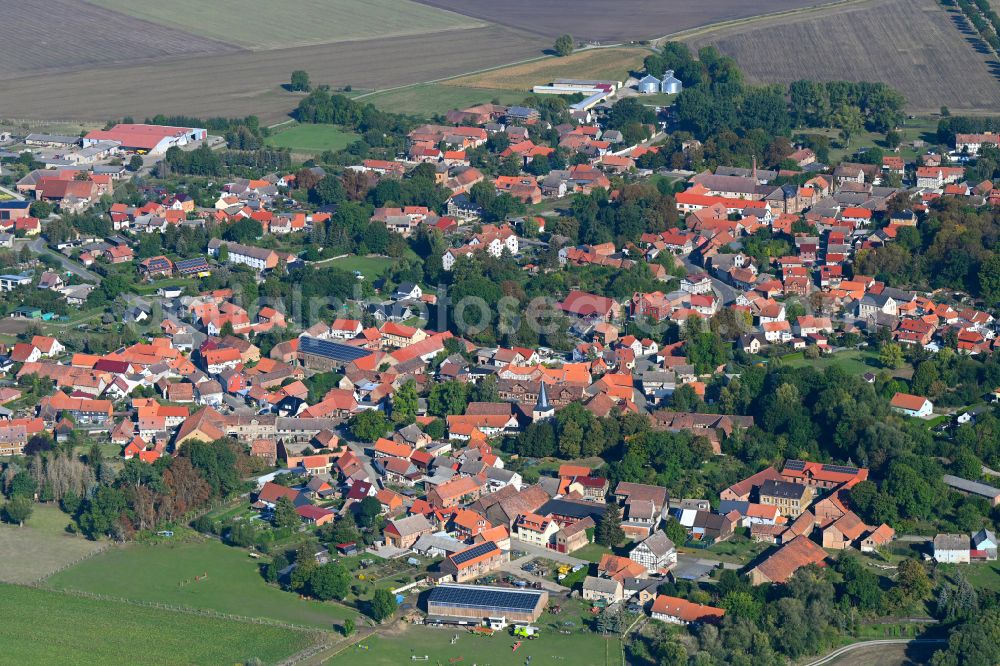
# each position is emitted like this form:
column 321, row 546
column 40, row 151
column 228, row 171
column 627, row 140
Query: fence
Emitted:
column 75, row 562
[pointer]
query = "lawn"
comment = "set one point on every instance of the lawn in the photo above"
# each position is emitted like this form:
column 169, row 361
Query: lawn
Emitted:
column 312, row 138
column 581, row 647
column 41, row 547
column 426, row 99
column 258, row 24
column 613, row 64
column 853, row 361
column 370, row 267
column 982, row 575
column 166, row 573
column 45, row 627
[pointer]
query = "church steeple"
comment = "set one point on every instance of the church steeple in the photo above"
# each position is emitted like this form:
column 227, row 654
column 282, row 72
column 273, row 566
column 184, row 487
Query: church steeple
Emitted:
column 543, row 409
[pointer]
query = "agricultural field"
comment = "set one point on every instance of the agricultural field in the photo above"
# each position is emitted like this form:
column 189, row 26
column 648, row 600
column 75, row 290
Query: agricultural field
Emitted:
column 166, row 573
column 259, row 24
column 430, row 98
column 311, row 138
column 41, row 547
column 578, row 646
column 591, row 20
column 250, row 82
column 40, row 35
column 614, row 64
column 44, row 627
column 912, row 45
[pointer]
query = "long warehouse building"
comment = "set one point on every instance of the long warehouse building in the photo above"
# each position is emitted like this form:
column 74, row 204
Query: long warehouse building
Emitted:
column 471, row 604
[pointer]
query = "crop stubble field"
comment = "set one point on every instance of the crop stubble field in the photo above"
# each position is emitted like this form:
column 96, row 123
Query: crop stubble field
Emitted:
column 910, row 44
column 263, row 24
column 611, row 63
column 249, row 82
column 41, row 35
column 601, row 20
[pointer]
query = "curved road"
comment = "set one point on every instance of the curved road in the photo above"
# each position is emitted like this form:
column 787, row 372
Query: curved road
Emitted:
column 887, row 641
column 38, row 246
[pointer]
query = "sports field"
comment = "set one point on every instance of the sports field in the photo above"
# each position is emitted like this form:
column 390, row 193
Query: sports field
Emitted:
column 166, row 573
column 260, row 24
column 41, row 547
column 430, row 98
column 613, row 64
column 44, row 627
column 312, row 138
column 583, row 648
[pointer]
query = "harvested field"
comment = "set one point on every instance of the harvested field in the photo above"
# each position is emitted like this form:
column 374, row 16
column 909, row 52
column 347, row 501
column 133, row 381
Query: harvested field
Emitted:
column 39, row 35
column 614, row 64
column 262, row 24
column 597, row 20
column 250, row 82
column 912, row 45
column 430, row 98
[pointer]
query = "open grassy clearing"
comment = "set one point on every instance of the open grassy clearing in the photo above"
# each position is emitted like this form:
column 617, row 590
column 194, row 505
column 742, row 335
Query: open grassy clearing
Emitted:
column 370, row 267
column 577, row 647
column 44, row 627
column 430, row 98
column 250, row 82
column 912, row 45
column 41, row 547
column 39, row 35
column 312, row 138
column 165, row 573
column 852, row 361
column 614, row 64
column 624, row 20
column 259, row 24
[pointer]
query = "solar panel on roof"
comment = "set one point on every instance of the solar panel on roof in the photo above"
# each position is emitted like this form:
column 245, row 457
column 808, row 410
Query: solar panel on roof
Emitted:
column 840, row 469
column 795, row 465
column 474, row 552
column 332, row 350
column 474, row 596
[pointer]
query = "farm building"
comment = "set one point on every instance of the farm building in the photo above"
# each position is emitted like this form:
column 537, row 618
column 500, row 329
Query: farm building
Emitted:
column 670, row 85
column 152, row 139
column 649, row 84
column 471, row 604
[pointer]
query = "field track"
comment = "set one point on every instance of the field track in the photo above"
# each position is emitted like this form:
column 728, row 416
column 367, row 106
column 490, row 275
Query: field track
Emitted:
column 913, row 45
column 249, row 82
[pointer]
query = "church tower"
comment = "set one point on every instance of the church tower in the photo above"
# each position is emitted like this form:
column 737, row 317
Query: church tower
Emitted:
column 543, row 409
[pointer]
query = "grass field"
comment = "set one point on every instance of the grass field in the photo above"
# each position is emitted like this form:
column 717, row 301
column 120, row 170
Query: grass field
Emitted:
column 583, row 648
column 312, row 138
column 430, row 98
column 913, row 45
column 155, row 573
column 614, row 64
column 370, row 267
column 853, row 361
column 258, row 24
column 41, row 547
column 43, row 627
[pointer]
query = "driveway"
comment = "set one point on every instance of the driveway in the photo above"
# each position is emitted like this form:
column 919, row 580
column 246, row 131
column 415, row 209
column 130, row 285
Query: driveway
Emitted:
column 37, row 245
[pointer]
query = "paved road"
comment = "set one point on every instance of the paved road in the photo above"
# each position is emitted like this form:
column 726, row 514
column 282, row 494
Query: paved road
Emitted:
column 726, row 293
column 888, row 641
column 37, row 245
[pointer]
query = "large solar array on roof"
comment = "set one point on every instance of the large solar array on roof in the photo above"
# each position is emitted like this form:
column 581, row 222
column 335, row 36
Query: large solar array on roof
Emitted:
column 474, row 552
column 795, row 465
column 192, row 265
column 476, row 596
column 840, row 469
column 332, row 350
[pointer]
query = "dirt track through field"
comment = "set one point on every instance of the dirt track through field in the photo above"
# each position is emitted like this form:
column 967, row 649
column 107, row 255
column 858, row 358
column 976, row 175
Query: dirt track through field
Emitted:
column 37, row 35
column 601, row 20
column 249, row 83
column 913, row 45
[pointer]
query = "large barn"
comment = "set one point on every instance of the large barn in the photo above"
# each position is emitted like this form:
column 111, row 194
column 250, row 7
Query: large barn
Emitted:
column 471, row 604
column 146, row 139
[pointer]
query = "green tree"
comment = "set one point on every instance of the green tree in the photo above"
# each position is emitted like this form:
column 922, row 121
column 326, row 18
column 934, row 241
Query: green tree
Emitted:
column 135, row 163
column 348, row 627
column 329, row 190
column 564, row 46
column 570, row 440
column 675, row 531
column 382, row 605
column 330, row 581
column 989, row 278
column 890, row 355
column 368, row 425
column 18, row 510
column 368, row 511
column 285, row 514
column 300, row 81
column 404, row 403
column 41, row 209
column 447, row 398
column 609, row 530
